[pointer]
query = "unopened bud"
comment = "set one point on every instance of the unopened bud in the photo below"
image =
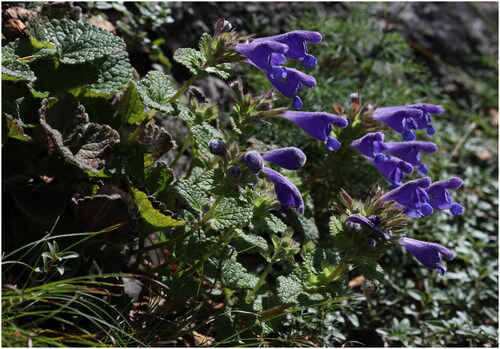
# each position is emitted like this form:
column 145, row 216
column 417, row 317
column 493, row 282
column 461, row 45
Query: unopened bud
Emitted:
column 235, row 172
column 371, row 244
column 217, row 147
column 254, row 161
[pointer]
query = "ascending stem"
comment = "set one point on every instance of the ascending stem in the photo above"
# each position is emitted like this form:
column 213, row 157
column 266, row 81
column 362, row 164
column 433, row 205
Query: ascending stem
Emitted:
column 183, row 149
column 224, row 239
column 261, row 280
column 335, row 273
column 205, row 218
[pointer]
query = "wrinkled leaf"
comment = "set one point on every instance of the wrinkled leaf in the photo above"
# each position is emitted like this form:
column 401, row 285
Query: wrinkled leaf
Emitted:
column 202, row 135
column 155, row 90
column 231, row 213
column 85, row 144
column 190, row 195
column 131, row 107
column 15, row 129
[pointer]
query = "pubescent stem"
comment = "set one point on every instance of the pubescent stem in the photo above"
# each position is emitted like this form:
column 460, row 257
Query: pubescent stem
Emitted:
column 205, row 218
column 223, row 240
column 183, row 149
column 262, row 279
column 335, row 273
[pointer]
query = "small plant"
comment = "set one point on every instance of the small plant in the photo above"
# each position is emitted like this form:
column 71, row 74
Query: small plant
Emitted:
column 226, row 244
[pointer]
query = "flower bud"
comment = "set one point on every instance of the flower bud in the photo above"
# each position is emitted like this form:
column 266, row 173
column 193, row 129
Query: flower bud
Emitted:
column 235, row 172
column 217, row 147
column 375, row 219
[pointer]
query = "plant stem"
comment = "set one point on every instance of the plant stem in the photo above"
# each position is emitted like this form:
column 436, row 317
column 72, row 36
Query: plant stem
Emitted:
column 205, row 218
column 224, row 239
column 336, row 272
column 183, row 149
column 262, row 279
column 183, row 89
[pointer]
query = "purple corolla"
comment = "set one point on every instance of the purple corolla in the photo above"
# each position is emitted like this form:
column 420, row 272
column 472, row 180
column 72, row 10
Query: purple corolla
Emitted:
column 413, row 197
column 297, row 45
column 410, row 152
column 372, row 145
column 253, row 160
column 370, row 223
column 291, row 158
column 318, row 125
column 393, row 169
column 291, row 84
column 287, row 193
column 405, row 119
column 440, row 198
column 263, row 55
column 427, row 253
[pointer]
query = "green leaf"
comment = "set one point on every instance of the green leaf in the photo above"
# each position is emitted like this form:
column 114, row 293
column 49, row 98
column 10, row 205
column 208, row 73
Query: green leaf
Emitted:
column 83, row 143
column 16, row 71
column 190, row 58
column 235, row 276
column 250, row 243
column 209, row 179
column 79, row 41
column 335, row 226
column 131, row 107
column 153, row 217
column 306, row 227
column 231, row 213
column 101, row 77
column 268, row 223
column 190, row 195
column 288, row 288
column 372, row 271
column 157, row 178
column 15, row 129
column 155, row 90
column 202, row 135
column 221, row 70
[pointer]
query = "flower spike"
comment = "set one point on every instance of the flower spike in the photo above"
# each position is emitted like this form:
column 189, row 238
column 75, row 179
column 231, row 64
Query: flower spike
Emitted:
column 440, row 198
column 427, row 253
column 357, row 218
column 318, row 125
column 291, row 158
column 413, row 197
column 287, row 193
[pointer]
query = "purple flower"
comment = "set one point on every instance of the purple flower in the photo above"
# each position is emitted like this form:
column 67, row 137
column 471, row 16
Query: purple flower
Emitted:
column 428, row 253
column 253, row 160
column 440, row 198
column 400, row 119
column 264, row 56
column 371, row 145
column 370, row 223
column 291, row 84
column 413, row 197
column 287, row 193
column 405, row 119
column 297, row 45
column 291, row 158
column 410, row 152
column 393, row 169
column 319, row 125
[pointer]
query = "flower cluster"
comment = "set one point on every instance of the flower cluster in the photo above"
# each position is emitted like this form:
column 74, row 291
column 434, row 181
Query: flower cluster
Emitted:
column 394, row 160
column 290, row 158
column 269, row 53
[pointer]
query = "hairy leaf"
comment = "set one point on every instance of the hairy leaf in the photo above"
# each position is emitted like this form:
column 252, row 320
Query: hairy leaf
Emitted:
column 155, row 90
column 190, row 195
column 250, row 243
column 157, row 140
column 230, row 213
column 15, row 129
column 190, row 58
column 79, row 41
column 131, row 107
